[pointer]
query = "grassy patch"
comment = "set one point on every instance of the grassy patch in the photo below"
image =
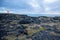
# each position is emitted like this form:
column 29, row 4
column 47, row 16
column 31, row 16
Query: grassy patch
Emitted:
column 11, row 37
column 32, row 31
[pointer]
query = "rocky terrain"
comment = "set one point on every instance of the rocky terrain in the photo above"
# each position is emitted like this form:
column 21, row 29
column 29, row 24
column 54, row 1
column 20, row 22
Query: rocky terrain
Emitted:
column 23, row 27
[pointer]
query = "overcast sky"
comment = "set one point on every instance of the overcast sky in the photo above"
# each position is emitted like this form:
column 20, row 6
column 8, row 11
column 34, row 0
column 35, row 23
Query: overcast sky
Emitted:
column 31, row 6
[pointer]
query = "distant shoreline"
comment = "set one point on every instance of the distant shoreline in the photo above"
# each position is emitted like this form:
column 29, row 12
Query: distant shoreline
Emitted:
column 36, row 15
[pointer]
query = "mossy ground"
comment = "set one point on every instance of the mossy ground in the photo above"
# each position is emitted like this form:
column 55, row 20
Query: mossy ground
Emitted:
column 32, row 31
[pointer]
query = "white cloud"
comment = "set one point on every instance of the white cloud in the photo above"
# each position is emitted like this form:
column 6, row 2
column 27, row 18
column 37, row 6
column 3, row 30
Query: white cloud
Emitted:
column 36, row 8
column 50, row 1
column 34, row 4
column 52, row 12
column 47, row 9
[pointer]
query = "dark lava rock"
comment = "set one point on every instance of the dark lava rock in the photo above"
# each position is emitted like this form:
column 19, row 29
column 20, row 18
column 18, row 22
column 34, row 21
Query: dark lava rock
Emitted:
column 2, row 32
column 25, row 21
column 43, row 35
column 7, row 26
column 17, row 30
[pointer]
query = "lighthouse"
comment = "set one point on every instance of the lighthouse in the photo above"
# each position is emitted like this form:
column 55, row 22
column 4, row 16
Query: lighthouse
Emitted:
column 8, row 11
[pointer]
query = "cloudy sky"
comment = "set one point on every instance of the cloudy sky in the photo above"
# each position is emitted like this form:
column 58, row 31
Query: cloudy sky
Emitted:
column 31, row 6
